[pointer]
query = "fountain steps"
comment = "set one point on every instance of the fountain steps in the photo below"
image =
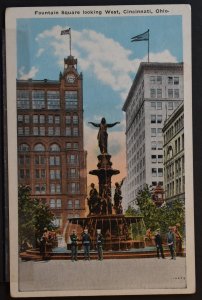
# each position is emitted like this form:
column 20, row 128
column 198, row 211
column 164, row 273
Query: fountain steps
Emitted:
column 35, row 255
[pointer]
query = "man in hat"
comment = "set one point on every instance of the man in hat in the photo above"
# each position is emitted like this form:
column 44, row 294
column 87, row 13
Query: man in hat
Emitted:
column 158, row 241
column 99, row 240
column 73, row 238
column 171, row 242
column 86, row 244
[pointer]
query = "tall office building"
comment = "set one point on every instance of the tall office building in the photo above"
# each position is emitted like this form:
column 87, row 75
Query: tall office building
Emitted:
column 156, row 92
column 51, row 155
column 174, row 171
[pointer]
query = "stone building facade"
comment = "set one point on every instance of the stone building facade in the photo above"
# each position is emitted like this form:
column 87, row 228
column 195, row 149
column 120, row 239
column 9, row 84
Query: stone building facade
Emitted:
column 174, row 158
column 51, row 155
column 156, row 92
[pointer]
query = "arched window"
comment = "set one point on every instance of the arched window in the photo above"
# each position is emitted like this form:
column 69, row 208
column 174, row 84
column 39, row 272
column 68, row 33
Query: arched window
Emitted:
column 170, row 152
column 39, row 148
column 54, row 148
column 52, row 203
column 24, row 147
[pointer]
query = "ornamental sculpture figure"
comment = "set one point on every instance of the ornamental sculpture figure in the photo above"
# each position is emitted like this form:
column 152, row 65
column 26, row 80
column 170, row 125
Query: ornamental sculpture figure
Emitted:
column 102, row 134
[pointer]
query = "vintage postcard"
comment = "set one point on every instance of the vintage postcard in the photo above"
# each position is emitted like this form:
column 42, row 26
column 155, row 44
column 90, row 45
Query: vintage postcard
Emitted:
column 100, row 161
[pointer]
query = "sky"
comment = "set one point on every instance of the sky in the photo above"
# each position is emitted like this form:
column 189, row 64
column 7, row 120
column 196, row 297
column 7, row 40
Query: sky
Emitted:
column 108, row 61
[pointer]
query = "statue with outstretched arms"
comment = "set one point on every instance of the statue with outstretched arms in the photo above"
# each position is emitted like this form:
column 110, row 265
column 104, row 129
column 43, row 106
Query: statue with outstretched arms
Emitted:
column 102, row 134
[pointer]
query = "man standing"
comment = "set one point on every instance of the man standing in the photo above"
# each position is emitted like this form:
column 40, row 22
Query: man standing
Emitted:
column 171, row 242
column 99, row 244
column 73, row 238
column 86, row 244
column 158, row 241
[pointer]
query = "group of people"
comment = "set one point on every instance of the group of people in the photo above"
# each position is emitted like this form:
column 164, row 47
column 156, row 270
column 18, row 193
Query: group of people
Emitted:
column 102, row 205
column 47, row 241
column 174, row 241
column 86, row 242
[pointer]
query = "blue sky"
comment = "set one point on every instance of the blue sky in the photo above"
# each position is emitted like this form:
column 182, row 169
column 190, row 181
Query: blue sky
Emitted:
column 106, row 57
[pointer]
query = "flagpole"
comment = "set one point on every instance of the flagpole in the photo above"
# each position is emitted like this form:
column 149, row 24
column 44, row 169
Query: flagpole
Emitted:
column 70, row 44
column 148, row 45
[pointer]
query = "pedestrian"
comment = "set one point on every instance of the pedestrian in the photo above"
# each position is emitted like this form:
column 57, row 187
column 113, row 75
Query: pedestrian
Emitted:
column 99, row 244
column 86, row 244
column 178, row 238
column 158, row 241
column 171, row 242
column 73, row 238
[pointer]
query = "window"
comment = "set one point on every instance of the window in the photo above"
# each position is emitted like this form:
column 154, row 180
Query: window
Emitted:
column 159, row 105
column 159, row 93
column 153, row 105
column 54, row 174
column 176, row 93
column 23, row 160
column 68, row 131
column 57, row 131
column 153, row 131
column 27, row 119
column 73, row 173
column 50, row 119
column 77, row 204
column 159, row 119
column 55, row 188
column 170, row 80
column 75, row 119
column 159, row 131
column 54, row 148
column 160, row 172
column 52, row 203
column 68, row 119
column 69, row 204
column 154, row 183
column 54, row 160
column 75, row 146
column 170, row 93
column 42, row 131
column 152, row 93
column 159, row 79
column 40, row 173
column 68, row 145
column 153, row 159
column 153, row 145
column 176, row 80
column 72, row 159
column 50, row 131
column 154, row 172
column 160, row 158
column 152, row 79
column 42, row 119
column 23, row 99
column 20, row 131
column 38, row 99
column 20, row 118
column 153, row 118
column 57, row 119
column 170, row 105
column 40, row 160
column 40, row 188
column 73, row 187
column 53, row 99
column 160, row 145
column 27, row 132
column 35, row 131
column 24, row 147
column 75, row 131
column 39, row 148
column 24, row 173
column 58, row 203
column 71, row 101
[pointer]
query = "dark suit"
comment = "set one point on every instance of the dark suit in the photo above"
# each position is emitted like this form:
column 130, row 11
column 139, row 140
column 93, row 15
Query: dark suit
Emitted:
column 159, row 247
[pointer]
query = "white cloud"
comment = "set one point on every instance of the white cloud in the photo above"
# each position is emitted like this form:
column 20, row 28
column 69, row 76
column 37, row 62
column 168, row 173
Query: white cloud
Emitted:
column 31, row 74
column 39, row 52
column 108, row 60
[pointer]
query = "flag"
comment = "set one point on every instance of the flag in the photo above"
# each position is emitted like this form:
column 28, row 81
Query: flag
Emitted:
column 66, row 31
column 141, row 37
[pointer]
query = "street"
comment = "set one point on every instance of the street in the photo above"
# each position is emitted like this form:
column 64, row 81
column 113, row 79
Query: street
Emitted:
column 113, row 274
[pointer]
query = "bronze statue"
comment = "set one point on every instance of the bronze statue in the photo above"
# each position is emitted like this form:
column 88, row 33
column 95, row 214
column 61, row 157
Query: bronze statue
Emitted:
column 102, row 134
column 118, row 199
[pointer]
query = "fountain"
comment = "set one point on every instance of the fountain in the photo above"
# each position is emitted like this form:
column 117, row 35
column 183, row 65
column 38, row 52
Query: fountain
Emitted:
column 103, row 214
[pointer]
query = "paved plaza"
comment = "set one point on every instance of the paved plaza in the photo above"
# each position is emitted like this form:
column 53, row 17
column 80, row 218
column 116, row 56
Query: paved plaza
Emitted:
column 112, row 274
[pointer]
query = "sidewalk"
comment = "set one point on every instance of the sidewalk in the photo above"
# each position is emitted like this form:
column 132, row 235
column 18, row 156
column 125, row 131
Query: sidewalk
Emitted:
column 111, row 274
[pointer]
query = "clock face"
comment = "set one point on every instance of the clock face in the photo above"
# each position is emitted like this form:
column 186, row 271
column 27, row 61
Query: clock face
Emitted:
column 70, row 78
